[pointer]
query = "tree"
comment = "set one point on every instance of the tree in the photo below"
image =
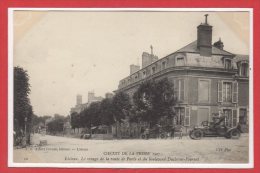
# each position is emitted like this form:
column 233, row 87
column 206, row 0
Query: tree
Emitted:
column 22, row 107
column 56, row 124
column 107, row 110
column 91, row 115
column 122, row 106
column 153, row 100
column 75, row 120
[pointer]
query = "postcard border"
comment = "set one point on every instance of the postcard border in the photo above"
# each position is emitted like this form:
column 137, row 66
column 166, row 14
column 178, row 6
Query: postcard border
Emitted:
column 128, row 165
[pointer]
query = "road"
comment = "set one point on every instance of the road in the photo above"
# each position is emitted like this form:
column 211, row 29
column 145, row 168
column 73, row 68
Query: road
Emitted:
column 185, row 150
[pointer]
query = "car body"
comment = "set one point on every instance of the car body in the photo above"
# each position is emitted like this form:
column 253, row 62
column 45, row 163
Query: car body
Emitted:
column 85, row 135
column 156, row 132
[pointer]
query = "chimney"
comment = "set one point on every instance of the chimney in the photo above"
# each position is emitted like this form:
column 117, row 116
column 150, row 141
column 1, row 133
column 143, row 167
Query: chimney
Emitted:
column 148, row 59
column 204, row 38
column 134, row 68
column 91, row 96
column 219, row 44
column 79, row 100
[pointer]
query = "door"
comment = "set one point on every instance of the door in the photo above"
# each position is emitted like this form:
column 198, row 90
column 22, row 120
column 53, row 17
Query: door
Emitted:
column 203, row 115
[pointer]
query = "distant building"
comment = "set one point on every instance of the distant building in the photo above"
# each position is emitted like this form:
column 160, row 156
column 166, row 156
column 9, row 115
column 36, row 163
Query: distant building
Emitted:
column 92, row 98
column 79, row 107
column 109, row 95
column 79, row 100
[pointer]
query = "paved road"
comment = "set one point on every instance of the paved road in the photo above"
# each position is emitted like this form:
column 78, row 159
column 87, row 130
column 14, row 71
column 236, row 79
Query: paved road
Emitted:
column 72, row 150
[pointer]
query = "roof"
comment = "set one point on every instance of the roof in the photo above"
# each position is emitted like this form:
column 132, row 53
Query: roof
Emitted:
column 240, row 57
column 192, row 47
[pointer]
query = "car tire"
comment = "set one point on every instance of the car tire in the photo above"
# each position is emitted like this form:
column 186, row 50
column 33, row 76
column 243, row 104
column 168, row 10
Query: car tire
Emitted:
column 196, row 134
column 143, row 136
column 191, row 134
column 235, row 134
column 162, row 136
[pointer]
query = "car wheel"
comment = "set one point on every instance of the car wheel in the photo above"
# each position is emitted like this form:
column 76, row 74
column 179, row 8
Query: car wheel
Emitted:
column 197, row 134
column 143, row 136
column 235, row 134
column 191, row 134
column 162, row 136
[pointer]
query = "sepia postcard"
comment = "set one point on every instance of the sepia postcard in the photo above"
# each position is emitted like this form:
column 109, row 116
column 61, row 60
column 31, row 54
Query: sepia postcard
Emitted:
column 130, row 88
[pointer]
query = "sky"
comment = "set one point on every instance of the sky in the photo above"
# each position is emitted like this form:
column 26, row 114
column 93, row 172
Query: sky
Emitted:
column 72, row 52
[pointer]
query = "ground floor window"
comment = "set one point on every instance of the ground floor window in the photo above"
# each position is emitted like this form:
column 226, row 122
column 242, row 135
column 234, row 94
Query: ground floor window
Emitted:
column 182, row 116
column 243, row 116
column 231, row 117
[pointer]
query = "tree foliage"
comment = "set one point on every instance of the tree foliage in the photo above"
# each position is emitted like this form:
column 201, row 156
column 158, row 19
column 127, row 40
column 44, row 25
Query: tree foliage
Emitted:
column 106, row 112
column 153, row 100
column 56, row 125
column 22, row 107
column 122, row 106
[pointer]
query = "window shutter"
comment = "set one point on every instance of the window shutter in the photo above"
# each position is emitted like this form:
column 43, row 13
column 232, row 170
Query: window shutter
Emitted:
column 239, row 68
column 234, row 117
column 187, row 117
column 220, row 99
column 181, row 89
column 235, row 92
column 176, row 86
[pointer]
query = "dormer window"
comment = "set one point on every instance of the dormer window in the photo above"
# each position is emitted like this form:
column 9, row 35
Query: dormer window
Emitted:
column 180, row 61
column 153, row 70
column 227, row 64
column 163, row 65
column 144, row 74
column 243, row 70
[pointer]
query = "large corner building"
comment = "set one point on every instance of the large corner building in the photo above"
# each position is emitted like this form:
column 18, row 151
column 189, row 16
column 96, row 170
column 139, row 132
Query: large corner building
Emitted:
column 207, row 79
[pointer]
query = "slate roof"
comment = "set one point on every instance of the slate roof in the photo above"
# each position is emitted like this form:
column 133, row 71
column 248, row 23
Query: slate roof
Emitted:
column 240, row 57
column 192, row 48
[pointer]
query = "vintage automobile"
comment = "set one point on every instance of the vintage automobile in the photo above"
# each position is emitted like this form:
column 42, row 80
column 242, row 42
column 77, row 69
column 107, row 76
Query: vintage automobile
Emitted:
column 85, row 135
column 156, row 132
column 217, row 128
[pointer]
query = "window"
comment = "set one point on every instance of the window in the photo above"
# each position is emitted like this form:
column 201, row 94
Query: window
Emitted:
column 179, row 89
column 227, row 64
column 182, row 116
column 231, row 117
column 153, row 70
column 243, row 116
column 144, row 74
column 163, row 65
column 136, row 77
column 244, row 69
column 228, row 114
column 227, row 91
column 180, row 61
column 204, row 90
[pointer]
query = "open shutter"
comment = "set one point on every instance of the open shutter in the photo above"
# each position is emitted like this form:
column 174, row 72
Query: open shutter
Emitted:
column 234, row 117
column 187, row 117
column 239, row 68
column 176, row 86
column 234, row 92
column 220, row 89
column 181, row 89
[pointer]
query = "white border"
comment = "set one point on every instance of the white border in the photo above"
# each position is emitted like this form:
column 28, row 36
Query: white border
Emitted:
column 126, row 165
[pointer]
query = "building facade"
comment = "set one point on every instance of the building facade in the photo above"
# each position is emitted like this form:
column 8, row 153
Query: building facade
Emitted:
column 207, row 80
